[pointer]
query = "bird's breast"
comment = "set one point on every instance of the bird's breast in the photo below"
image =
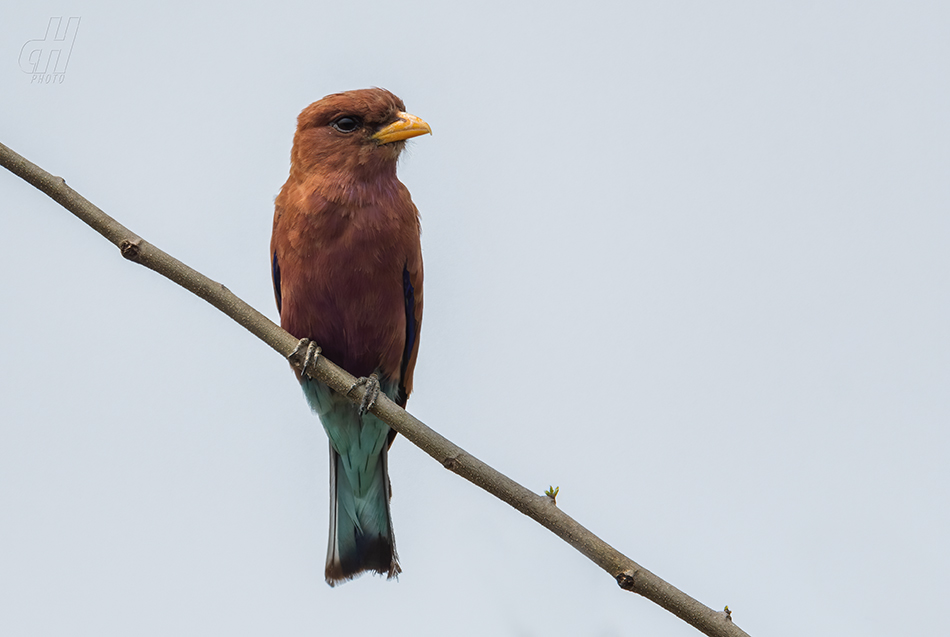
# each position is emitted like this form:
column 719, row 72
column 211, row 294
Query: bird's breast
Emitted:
column 341, row 272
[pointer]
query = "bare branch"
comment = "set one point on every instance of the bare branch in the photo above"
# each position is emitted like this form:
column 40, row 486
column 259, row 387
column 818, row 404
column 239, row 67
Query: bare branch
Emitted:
column 542, row 508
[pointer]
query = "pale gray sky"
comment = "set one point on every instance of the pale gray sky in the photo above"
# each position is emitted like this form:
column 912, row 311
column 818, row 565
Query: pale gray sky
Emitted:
column 711, row 237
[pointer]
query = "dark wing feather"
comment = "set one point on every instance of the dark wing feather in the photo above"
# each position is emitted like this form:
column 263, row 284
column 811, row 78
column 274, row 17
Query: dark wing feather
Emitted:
column 412, row 329
column 412, row 296
column 275, row 274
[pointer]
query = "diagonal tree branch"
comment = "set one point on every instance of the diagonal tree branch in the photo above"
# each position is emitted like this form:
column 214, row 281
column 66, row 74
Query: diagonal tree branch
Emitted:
column 628, row 574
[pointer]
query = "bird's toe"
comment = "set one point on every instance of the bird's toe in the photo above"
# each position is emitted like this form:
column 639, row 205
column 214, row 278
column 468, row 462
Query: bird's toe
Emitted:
column 371, row 394
column 313, row 352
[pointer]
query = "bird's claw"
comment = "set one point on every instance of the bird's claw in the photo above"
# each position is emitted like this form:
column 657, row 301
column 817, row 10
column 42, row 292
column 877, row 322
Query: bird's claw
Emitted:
column 313, row 352
column 372, row 392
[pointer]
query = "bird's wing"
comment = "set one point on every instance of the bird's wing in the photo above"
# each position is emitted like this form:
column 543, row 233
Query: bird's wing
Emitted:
column 412, row 295
column 275, row 274
column 275, row 266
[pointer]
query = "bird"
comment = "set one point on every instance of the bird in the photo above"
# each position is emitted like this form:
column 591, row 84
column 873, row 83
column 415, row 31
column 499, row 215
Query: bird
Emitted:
column 346, row 261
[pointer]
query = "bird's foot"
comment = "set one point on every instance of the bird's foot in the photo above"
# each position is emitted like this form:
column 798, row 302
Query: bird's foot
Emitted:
column 313, row 352
column 372, row 392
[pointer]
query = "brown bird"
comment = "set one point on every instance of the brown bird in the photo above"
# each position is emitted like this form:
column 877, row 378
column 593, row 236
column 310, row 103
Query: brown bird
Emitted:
column 347, row 269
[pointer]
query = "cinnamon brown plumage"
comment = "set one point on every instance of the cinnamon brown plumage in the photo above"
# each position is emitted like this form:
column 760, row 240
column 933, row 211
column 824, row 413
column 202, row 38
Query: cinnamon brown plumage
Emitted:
column 347, row 269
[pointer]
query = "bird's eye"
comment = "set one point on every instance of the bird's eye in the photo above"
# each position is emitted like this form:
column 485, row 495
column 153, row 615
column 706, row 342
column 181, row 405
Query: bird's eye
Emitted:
column 346, row 124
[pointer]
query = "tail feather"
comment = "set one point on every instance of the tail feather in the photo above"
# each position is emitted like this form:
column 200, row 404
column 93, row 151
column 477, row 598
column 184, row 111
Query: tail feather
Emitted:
column 361, row 535
column 361, row 529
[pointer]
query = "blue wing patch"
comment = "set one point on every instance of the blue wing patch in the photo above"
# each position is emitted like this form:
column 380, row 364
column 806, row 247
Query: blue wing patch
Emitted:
column 409, row 296
column 275, row 274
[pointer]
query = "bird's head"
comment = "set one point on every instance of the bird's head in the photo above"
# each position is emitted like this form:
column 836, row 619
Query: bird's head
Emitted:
column 353, row 139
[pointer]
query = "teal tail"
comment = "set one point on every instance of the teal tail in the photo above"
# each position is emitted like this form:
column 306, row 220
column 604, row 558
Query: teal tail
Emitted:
column 361, row 530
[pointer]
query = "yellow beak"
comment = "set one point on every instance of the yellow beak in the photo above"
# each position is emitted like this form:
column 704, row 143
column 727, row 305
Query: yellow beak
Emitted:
column 403, row 128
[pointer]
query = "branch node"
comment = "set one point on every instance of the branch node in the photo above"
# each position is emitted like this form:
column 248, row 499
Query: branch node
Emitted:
column 627, row 580
column 451, row 463
column 131, row 249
